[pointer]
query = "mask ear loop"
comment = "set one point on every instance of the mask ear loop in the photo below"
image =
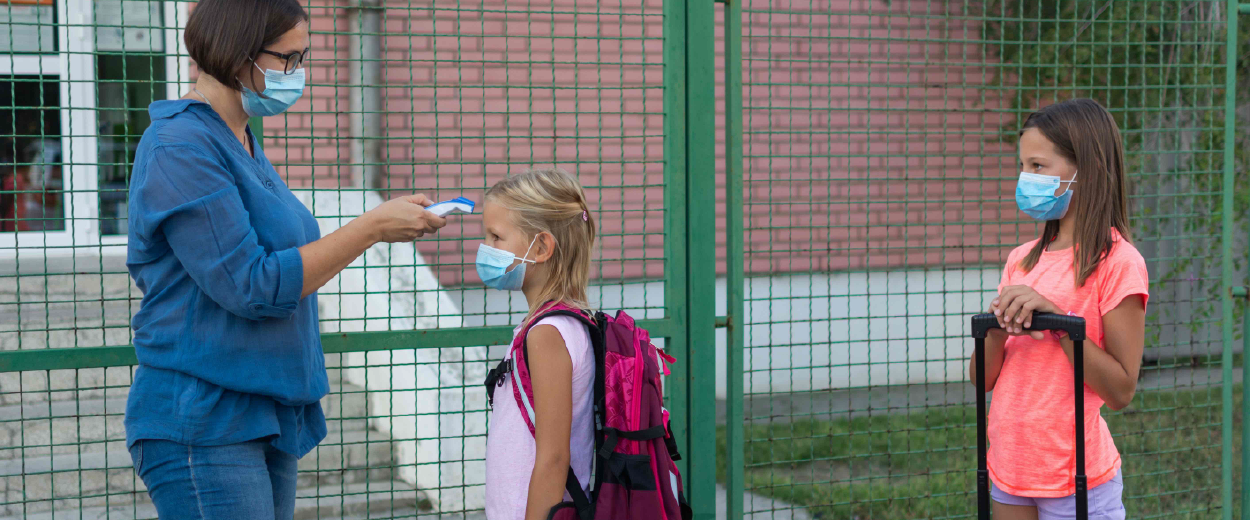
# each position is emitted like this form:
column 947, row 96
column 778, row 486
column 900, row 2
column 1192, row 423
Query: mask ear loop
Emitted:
column 1070, row 183
column 527, row 251
column 260, row 92
column 524, row 258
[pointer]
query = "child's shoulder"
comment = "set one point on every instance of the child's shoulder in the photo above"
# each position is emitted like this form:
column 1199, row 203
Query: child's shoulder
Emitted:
column 569, row 328
column 1123, row 253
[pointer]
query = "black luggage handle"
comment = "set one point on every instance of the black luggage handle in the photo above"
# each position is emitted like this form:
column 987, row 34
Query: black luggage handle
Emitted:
column 1075, row 327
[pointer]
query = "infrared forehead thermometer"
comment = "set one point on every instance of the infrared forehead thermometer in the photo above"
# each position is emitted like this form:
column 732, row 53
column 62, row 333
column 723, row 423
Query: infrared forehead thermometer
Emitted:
column 447, row 207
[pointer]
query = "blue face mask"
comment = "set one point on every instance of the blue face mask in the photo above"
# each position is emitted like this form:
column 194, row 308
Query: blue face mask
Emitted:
column 281, row 91
column 493, row 264
column 1035, row 194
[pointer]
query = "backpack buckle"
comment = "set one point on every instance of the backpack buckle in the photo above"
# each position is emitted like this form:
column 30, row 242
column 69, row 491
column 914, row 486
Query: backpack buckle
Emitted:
column 494, row 379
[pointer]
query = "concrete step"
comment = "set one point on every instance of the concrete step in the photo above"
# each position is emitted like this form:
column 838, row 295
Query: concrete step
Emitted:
column 53, row 452
column 349, row 457
column 360, row 500
column 70, row 427
column 66, row 417
column 343, row 456
column 72, row 436
column 61, row 311
column 417, row 514
column 143, row 510
column 56, row 480
column 105, row 456
column 356, row 499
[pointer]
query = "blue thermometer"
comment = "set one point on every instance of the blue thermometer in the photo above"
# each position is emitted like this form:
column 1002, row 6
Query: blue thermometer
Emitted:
column 447, row 207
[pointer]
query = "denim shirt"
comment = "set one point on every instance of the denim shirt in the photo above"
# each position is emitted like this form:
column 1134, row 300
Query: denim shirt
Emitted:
column 228, row 350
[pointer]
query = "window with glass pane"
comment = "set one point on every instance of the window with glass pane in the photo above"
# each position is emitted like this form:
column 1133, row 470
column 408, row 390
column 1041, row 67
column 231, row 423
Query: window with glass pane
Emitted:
column 28, row 26
column 32, row 179
column 130, row 74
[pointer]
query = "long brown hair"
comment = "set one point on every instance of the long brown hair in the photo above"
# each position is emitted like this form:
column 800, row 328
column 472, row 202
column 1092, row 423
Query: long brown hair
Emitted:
column 1086, row 134
column 552, row 200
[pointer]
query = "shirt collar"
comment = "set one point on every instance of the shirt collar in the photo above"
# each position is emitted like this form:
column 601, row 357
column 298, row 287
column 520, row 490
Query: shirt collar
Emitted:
column 169, row 108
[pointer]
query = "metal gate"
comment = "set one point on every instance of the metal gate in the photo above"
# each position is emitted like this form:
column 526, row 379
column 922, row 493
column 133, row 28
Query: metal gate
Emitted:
column 441, row 98
column 875, row 159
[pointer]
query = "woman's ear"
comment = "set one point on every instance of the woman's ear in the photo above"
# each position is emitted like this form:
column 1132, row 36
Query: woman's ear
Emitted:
column 544, row 247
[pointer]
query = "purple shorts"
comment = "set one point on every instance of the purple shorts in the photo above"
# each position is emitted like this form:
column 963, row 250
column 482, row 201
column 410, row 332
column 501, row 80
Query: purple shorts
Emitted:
column 1104, row 502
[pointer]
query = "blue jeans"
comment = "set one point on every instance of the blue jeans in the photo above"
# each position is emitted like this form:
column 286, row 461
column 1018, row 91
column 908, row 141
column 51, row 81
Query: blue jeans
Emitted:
column 249, row 480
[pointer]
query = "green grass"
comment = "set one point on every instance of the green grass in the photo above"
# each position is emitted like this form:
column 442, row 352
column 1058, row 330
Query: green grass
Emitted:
column 922, row 464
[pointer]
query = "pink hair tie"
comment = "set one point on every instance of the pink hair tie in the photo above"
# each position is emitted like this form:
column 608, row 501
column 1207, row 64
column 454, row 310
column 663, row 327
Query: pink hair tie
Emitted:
column 585, row 217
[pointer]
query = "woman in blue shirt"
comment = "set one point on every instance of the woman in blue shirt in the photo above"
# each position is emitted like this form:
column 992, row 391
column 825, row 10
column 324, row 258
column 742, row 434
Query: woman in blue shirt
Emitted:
column 231, row 372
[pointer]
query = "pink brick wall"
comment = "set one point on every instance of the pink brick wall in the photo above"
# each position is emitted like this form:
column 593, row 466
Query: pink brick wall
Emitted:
column 473, row 93
column 868, row 138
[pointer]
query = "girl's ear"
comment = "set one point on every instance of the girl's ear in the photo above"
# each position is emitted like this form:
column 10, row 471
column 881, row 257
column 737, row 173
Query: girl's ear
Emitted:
column 544, row 247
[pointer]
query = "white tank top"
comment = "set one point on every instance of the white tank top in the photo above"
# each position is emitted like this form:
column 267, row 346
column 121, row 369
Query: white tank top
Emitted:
column 510, row 448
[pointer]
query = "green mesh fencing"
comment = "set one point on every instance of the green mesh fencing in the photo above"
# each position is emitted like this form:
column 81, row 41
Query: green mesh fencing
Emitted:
column 854, row 198
column 878, row 167
column 404, row 97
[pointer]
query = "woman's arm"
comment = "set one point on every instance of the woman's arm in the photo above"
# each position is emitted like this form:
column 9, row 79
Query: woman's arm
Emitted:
column 1112, row 372
column 551, row 373
column 397, row 220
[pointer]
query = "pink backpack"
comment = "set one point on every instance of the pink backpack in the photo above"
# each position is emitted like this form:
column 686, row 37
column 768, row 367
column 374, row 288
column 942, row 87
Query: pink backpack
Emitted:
column 633, row 476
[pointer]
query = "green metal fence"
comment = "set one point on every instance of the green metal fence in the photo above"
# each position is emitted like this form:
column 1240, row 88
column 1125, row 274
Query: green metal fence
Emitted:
column 404, row 97
column 877, row 166
column 809, row 196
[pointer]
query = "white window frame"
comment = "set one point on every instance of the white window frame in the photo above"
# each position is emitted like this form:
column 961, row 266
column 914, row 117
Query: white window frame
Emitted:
column 74, row 66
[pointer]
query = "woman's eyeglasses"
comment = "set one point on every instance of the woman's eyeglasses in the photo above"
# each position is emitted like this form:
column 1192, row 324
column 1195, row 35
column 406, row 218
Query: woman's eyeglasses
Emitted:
column 293, row 60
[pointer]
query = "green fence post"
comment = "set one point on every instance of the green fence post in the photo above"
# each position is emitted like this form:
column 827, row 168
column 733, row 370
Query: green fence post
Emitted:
column 1226, row 236
column 735, row 332
column 674, row 219
column 257, row 124
column 1230, row 134
column 700, row 268
column 1245, row 409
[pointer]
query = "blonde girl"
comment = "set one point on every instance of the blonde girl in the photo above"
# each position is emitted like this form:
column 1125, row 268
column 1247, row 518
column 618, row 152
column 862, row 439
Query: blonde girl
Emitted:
column 539, row 238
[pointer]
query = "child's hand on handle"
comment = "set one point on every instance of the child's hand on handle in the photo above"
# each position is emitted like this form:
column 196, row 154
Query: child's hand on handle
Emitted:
column 404, row 219
column 1015, row 306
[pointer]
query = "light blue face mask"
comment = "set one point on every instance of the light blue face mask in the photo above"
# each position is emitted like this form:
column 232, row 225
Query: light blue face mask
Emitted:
column 281, row 91
column 1035, row 194
column 493, row 264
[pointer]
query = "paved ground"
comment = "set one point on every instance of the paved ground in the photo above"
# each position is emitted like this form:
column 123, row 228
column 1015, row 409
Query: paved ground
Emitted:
column 775, row 510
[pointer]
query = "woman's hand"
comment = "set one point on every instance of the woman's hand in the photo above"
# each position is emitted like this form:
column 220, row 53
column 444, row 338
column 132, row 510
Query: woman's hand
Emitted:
column 1014, row 308
column 403, row 219
column 398, row 220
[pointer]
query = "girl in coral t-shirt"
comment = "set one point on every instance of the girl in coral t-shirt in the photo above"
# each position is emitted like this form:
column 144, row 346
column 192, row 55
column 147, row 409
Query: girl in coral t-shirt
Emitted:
column 1084, row 265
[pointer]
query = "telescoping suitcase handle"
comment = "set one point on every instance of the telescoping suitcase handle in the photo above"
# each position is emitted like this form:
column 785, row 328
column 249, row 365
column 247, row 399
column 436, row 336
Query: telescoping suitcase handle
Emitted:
column 1075, row 327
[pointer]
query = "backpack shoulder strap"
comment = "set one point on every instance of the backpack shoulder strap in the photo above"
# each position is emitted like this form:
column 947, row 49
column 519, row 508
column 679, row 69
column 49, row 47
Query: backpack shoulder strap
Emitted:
column 522, row 389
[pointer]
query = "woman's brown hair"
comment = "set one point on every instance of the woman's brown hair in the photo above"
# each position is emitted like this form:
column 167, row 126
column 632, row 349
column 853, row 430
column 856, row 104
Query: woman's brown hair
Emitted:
column 1086, row 134
column 223, row 36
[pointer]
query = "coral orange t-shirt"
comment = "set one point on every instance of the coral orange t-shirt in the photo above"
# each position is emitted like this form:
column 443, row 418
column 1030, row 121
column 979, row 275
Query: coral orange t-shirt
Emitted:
column 1031, row 428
